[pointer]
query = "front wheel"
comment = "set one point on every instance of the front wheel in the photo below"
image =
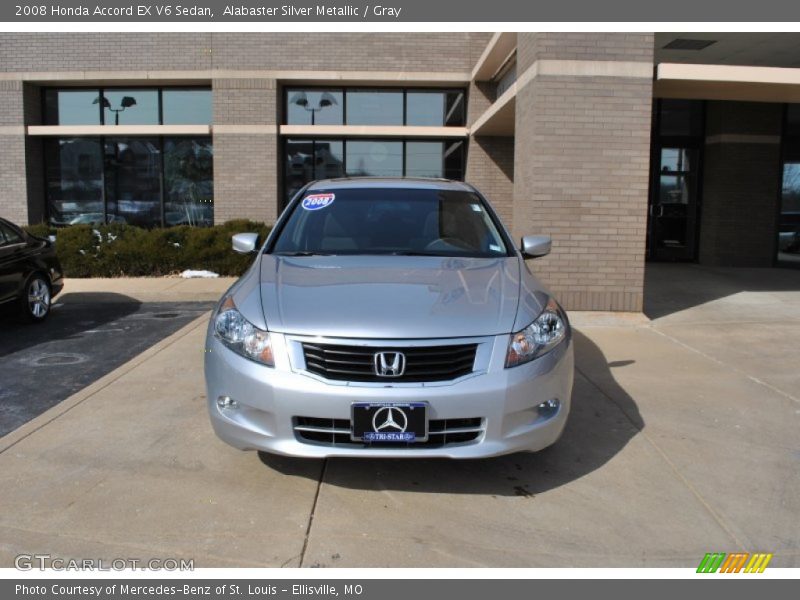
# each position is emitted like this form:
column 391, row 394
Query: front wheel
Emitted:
column 36, row 299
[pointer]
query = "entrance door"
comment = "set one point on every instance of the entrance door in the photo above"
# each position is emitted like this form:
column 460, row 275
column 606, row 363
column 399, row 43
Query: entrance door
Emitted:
column 673, row 203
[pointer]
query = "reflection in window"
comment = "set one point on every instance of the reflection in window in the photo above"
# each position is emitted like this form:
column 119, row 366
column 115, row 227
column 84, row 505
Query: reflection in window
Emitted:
column 380, row 158
column 789, row 221
column 435, row 109
column 71, row 107
column 673, row 190
column 133, row 179
column 375, row 108
column 188, row 181
column 424, row 159
column 186, row 107
column 314, row 107
column 74, row 180
column 130, row 107
column 675, row 160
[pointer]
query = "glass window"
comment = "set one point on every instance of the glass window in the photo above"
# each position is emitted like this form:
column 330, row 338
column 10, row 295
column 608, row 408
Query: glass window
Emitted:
column 9, row 235
column 394, row 220
column 435, row 109
column 186, row 107
column 378, row 158
column 130, row 107
column 424, row 159
column 72, row 107
column 314, row 107
column 374, row 107
column 74, row 180
column 789, row 220
column 454, row 159
column 188, row 181
column 133, row 181
column 676, row 160
column 681, row 117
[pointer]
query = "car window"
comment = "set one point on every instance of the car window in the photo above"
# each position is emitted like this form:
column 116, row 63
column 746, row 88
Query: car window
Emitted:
column 391, row 221
column 9, row 235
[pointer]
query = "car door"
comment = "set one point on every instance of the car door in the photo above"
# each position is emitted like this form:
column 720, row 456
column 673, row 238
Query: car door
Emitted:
column 11, row 262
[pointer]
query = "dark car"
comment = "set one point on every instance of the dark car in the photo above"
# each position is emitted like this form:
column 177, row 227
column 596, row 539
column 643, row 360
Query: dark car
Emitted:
column 30, row 274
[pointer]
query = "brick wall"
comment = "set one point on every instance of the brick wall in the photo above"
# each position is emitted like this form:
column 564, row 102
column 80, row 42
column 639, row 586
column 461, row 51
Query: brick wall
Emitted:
column 582, row 147
column 245, row 161
column 741, row 184
column 13, row 182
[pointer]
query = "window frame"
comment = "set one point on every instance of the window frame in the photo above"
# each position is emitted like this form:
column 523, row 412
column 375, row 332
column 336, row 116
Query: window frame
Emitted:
column 101, row 94
column 287, row 89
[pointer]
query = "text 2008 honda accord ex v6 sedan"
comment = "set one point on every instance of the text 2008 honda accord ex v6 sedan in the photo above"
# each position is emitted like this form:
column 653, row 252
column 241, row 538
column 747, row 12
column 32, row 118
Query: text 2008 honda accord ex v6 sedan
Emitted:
column 389, row 317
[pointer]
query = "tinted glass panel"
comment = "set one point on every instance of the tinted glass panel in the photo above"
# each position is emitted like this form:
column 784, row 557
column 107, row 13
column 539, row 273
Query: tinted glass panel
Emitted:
column 328, row 159
column 188, row 181
column 130, row 107
column 435, row 109
column 133, row 180
column 74, row 180
column 424, row 159
column 378, row 158
column 676, row 160
column 314, row 107
column 389, row 221
column 681, row 117
column 454, row 159
column 789, row 221
column 186, row 107
column 9, row 235
column 72, row 107
column 375, row 108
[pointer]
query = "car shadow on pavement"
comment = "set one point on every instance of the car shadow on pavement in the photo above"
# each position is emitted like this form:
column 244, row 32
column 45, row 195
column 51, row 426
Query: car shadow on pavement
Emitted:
column 73, row 314
column 600, row 425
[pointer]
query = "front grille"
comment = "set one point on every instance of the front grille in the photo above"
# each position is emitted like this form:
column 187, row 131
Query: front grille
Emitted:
column 357, row 363
column 336, row 432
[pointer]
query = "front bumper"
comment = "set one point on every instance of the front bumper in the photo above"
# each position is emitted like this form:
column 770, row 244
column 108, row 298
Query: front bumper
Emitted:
column 270, row 400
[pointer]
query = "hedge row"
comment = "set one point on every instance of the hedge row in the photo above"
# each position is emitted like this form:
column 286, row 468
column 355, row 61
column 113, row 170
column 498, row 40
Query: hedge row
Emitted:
column 118, row 250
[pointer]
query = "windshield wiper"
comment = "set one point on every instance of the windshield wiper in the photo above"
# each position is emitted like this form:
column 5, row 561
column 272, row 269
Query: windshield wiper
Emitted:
column 303, row 253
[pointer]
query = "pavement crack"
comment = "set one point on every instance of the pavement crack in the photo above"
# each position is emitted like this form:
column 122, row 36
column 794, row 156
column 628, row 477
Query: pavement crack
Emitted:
column 313, row 512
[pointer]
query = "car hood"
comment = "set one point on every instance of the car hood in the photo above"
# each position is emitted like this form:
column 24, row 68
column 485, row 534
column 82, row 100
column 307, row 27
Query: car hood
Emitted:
column 390, row 297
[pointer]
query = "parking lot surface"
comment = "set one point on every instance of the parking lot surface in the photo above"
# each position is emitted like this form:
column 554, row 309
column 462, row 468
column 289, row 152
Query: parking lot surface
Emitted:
column 85, row 337
column 682, row 440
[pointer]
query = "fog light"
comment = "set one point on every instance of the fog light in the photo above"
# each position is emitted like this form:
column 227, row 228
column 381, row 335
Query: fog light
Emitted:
column 227, row 402
column 548, row 409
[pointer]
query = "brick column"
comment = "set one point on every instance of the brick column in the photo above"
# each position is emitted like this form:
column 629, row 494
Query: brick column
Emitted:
column 582, row 144
column 245, row 150
column 13, row 180
column 741, row 184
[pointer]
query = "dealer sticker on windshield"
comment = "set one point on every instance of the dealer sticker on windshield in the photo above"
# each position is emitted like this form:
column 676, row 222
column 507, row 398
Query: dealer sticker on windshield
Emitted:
column 317, row 201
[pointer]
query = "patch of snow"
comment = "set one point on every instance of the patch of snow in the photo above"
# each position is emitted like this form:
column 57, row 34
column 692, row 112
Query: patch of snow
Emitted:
column 190, row 274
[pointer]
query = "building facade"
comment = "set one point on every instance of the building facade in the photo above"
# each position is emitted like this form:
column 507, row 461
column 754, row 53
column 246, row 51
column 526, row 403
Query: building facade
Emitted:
column 623, row 147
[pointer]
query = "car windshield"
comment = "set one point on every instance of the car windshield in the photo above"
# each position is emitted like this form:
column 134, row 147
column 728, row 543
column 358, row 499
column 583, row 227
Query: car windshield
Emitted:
column 401, row 221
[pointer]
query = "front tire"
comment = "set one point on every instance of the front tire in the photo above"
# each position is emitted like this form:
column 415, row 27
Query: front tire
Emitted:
column 36, row 298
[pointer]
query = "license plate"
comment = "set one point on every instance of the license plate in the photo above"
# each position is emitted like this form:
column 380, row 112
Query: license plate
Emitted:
column 382, row 422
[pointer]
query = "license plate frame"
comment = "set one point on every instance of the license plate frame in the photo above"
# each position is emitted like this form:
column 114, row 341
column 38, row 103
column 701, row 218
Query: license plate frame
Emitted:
column 364, row 419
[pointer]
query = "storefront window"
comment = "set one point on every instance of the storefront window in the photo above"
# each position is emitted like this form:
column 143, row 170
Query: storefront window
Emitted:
column 188, row 181
column 74, row 180
column 133, row 178
column 71, row 107
column 131, row 169
column 306, row 160
column 186, row 107
column 314, row 107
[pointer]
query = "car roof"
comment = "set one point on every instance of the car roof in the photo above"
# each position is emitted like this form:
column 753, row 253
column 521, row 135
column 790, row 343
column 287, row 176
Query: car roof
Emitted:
column 407, row 183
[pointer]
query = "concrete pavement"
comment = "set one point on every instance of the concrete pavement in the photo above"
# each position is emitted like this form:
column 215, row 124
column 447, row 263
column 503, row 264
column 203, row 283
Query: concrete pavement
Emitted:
column 683, row 440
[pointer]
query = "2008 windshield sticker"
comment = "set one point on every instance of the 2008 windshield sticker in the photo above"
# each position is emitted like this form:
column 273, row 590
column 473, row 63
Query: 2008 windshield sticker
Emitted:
column 317, row 201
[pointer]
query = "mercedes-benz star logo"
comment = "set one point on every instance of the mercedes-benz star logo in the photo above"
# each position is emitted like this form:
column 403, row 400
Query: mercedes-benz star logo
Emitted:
column 390, row 364
column 389, row 418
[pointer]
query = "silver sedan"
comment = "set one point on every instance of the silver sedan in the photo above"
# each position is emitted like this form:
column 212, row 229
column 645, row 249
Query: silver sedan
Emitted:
column 389, row 317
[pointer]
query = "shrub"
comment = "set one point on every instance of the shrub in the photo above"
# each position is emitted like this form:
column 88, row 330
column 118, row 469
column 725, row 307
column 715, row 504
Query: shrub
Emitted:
column 118, row 250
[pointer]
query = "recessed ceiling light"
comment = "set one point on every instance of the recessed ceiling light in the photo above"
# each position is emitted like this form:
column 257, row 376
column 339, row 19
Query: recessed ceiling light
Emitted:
column 688, row 44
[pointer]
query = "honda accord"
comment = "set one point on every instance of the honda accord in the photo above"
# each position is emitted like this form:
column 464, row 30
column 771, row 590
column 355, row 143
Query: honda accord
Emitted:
column 389, row 317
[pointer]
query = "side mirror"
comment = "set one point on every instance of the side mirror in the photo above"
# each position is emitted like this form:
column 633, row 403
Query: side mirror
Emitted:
column 534, row 246
column 245, row 243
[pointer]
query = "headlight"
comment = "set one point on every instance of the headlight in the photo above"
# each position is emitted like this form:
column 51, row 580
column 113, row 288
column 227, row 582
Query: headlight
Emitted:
column 545, row 333
column 241, row 336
